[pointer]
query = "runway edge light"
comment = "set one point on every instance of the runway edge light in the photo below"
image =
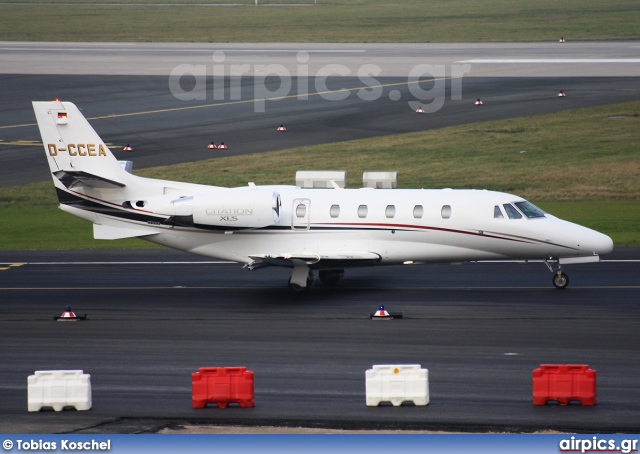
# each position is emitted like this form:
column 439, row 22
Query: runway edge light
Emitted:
column 561, row 94
column 420, row 110
column 128, row 148
column 212, row 146
column 478, row 102
column 281, row 128
column 383, row 314
column 222, row 146
column 69, row 316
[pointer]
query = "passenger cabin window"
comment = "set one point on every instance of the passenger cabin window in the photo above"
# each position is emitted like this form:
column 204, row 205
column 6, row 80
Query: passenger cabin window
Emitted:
column 334, row 211
column 446, row 211
column 497, row 213
column 390, row 211
column 418, row 211
column 511, row 211
column 362, row 211
column 301, row 210
column 530, row 210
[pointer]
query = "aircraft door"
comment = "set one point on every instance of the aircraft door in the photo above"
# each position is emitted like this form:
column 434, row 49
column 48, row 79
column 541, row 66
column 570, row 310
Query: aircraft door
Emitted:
column 300, row 214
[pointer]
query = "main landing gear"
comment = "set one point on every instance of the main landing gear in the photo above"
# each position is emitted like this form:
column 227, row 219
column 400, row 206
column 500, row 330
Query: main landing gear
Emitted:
column 302, row 278
column 560, row 280
column 330, row 277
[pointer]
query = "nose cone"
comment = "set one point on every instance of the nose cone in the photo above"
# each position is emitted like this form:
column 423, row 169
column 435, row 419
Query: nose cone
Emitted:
column 592, row 242
column 588, row 242
column 602, row 244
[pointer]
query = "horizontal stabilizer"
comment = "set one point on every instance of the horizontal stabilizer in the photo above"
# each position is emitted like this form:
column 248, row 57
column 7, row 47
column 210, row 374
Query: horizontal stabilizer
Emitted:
column 105, row 232
column 317, row 261
column 73, row 178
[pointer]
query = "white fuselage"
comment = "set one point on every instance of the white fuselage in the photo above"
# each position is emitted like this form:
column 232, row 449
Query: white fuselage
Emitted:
column 400, row 225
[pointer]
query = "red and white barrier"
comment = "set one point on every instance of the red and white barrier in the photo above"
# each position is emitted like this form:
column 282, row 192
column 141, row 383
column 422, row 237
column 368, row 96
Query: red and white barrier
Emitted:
column 58, row 389
column 564, row 383
column 397, row 384
column 222, row 386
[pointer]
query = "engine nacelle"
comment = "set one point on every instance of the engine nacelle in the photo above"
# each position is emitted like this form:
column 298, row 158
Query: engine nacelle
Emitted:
column 239, row 208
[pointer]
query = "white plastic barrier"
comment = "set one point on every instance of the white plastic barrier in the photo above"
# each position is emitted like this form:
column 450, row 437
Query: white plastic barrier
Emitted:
column 59, row 389
column 397, row 384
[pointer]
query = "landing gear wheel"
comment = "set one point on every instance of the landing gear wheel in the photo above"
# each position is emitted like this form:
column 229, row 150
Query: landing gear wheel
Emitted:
column 299, row 288
column 296, row 287
column 330, row 277
column 560, row 280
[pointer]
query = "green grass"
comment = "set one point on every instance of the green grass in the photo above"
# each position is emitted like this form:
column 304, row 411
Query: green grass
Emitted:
column 354, row 21
column 582, row 165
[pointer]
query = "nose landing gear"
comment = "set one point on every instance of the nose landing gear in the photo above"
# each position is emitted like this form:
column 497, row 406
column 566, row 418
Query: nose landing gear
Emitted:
column 560, row 280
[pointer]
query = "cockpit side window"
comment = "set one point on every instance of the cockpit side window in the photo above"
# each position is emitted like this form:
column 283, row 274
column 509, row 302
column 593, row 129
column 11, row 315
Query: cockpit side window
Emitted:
column 511, row 211
column 497, row 213
column 530, row 210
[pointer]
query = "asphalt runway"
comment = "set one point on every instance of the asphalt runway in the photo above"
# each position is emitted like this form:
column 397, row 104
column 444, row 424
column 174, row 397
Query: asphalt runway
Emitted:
column 157, row 316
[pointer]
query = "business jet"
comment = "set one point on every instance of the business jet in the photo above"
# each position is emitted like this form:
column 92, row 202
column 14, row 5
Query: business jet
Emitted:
column 305, row 229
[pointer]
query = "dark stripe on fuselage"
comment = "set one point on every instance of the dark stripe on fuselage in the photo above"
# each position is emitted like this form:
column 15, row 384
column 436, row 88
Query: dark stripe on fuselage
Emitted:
column 67, row 198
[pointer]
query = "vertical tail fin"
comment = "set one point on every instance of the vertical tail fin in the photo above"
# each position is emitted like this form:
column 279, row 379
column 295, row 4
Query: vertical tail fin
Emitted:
column 75, row 152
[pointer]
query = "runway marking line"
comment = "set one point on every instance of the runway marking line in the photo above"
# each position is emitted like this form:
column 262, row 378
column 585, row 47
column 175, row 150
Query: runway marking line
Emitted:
column 603, row 287
column 218, row 262
column 552, row 60
column 21, row 143
column 175, row 50
column 9, row 266
column 172, row 5
column 225, row 262
column 37, row 143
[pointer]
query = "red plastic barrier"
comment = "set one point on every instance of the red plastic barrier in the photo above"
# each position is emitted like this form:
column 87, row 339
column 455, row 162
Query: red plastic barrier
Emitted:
column 564, row 383
column 221, row 386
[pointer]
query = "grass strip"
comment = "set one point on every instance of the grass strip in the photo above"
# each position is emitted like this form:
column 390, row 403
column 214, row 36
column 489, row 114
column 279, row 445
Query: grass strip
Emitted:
column 336, row 21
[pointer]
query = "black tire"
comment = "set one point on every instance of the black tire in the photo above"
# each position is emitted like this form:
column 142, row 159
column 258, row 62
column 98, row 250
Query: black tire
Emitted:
column 330, row 277
column 298, row 288
column 560, row 281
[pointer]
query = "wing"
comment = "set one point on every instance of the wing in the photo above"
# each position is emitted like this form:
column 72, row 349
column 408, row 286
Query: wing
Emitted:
column 315, row 261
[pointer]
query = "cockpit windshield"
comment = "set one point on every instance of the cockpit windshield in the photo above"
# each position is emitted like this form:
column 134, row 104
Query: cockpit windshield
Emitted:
column 529, row 209
column 511, row 211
